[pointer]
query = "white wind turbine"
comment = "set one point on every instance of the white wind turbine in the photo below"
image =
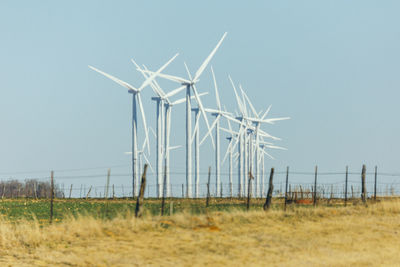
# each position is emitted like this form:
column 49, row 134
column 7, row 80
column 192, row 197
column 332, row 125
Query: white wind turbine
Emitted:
column 164, row 118
column 218, row 113
column 191, row 85
column 136, row 98
column 257, row 121
column 245, row 128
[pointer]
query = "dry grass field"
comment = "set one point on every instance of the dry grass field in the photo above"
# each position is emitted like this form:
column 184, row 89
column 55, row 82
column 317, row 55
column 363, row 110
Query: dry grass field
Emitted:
column 303, row 236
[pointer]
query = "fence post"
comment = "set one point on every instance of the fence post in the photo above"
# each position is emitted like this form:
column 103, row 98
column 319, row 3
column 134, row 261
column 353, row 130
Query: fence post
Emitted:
column 249, row 189
column 208, row 187
column 345, row 187
column 376, row 176
column 268, row 200
column 363, row 190
column 51, row 195
column 138, row 210
column 70, row 191
column 286, row 186
column 315, row 186
column 88, row 193
column 113, row 196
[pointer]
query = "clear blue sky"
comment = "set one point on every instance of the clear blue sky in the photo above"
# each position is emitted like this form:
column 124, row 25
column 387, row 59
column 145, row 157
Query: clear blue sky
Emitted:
column 332, row 66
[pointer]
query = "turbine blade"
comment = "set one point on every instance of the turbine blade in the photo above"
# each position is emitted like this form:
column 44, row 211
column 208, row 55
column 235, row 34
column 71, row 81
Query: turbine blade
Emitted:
column 231, row 118
column 266, row 112
column 229, row 122
column 148, row 162
column 210, row 129
column 208, row 59
column 175, row 91
column 227, row 152
column 237, row 96
column 272, row 120
column 200, row 104
column 152, row 84
column 187, row 70
column 155, row 83
column 228, row 131
column 276, row 147
column 182, row 100
column 243, row 101
column 174, row 147
column 250, row 104
column 120, row 82
column 143, row 119
column 265, row 134
column 154, row 75
column 171, row 77
column 216, row 89
column 267, row 154
column 153, row 132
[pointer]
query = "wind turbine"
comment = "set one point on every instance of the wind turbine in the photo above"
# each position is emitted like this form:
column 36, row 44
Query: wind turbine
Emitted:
column 162, row 111
column 166, row 121
column 217, row 113
column 191, row 86
column 136, row 98
column 257, row 122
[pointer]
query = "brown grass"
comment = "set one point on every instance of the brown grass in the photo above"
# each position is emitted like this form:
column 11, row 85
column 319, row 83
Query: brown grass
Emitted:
column 356, row 235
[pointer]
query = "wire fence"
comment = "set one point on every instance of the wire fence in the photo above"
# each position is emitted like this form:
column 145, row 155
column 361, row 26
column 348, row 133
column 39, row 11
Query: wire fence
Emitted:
column 300, row 185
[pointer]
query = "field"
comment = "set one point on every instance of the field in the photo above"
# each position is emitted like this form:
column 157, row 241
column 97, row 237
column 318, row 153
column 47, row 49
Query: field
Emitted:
column 327, row 235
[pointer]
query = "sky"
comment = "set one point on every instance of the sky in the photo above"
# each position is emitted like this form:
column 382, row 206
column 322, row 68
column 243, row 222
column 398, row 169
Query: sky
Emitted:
column 332, row 66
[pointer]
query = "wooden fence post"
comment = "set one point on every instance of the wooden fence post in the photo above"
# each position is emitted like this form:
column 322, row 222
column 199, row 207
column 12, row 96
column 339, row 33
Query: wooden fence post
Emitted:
column 363, row 189
column 88, row 193
column 376, row 176
column 138, row 210
column 208, row 187
column 268, row 200
column 51, row 195
column 286, row 186
column 315, row 186
column 249, row 189
column 346, row 184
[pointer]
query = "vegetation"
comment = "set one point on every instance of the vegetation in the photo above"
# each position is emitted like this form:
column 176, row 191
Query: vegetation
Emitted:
column 356, row 235
column 29, row 209
column 31, row 188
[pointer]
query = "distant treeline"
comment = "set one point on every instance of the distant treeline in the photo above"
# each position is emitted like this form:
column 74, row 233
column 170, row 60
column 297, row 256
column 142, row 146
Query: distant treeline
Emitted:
column 30, row 188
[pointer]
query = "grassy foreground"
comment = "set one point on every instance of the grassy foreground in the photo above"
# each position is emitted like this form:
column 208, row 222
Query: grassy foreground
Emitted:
column 336, row 236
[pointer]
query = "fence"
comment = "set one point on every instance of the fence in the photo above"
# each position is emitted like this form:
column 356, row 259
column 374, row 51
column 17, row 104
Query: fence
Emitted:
column 300, row 185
